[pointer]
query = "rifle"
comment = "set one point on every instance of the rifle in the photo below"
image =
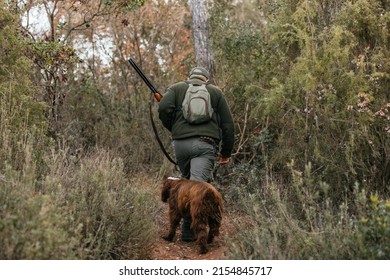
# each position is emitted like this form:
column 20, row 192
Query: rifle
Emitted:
column 158, row 97
column 155, row 92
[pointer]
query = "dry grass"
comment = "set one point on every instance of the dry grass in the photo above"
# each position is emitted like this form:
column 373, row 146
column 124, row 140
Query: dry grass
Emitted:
column 80, row 209
column 303, row 221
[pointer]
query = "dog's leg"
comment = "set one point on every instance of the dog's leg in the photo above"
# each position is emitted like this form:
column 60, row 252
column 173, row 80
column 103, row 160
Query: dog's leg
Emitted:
column 214, row 229
column 174, row 220
column 199, row 227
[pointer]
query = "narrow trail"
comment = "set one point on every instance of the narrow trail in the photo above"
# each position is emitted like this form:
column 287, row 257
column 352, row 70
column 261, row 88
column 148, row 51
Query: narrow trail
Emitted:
column 179, row 250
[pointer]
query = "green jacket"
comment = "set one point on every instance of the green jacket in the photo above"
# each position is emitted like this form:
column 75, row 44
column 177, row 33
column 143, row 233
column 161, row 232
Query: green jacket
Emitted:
column 221, row 127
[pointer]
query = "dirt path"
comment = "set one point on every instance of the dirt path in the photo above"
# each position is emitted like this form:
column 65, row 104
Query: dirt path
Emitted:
column 179, row 250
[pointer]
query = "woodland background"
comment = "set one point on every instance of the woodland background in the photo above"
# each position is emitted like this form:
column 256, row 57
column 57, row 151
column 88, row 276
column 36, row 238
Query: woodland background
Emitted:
column 308, row 84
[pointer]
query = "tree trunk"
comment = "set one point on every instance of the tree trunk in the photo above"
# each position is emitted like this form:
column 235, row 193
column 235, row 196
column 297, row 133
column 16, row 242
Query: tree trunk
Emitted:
column 201, row 35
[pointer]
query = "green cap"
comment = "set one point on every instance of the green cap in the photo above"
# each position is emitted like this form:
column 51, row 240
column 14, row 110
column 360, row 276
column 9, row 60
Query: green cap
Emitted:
column 199, row 71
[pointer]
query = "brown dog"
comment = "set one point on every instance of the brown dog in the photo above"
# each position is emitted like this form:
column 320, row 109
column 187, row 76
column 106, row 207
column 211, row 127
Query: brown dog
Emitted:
column 195, row 200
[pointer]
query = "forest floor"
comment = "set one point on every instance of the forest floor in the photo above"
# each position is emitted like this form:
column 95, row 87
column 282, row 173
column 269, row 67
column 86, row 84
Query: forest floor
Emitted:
column 179, row 250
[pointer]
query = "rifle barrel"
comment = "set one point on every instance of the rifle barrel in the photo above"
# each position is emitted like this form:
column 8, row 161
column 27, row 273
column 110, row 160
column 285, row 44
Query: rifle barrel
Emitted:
column 142, row 75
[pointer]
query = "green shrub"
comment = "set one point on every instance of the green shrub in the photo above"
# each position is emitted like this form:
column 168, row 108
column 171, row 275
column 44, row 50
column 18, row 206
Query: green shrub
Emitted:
column 84, row 209
column 301, row 221
column 31, row 225
column 101, row 200
column 316, row 79
column 22, row 117
column 371, row 239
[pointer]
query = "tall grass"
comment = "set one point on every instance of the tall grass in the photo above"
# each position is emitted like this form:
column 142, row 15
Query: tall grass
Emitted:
column 302, row 221
column 81, row 209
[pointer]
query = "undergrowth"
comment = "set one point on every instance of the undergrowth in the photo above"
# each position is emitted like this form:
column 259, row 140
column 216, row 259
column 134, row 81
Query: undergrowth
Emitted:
column 304, row 221
column 81, row 209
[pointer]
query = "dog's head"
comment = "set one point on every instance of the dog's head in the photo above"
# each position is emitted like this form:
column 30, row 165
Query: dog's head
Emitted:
column 168, row 184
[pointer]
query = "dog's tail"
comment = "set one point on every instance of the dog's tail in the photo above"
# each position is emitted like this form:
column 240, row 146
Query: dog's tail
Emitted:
column 213, row 201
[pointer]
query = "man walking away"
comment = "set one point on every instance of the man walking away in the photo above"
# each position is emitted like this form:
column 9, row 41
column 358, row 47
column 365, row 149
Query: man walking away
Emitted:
column 201, row 135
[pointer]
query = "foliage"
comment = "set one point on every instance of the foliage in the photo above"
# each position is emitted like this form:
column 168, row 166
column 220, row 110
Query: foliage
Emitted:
column 302, row 222
column 92, row 119
column 103, row 204
column 54, row 204
column 54, row 60
column 88, row 116
column 372, row 237
column 126, row 5
column 307, row 82
column 318, row 83
column 88, row 210
column 21, row 114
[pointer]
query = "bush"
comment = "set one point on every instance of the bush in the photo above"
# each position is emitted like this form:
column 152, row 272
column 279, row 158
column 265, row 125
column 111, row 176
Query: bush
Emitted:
column 371, row 239
column 302, row 222
column 85, row 209
column 316, row 80
column 105, row 205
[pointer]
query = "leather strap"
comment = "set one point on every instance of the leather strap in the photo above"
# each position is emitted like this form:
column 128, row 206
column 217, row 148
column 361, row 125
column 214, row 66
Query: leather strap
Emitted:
column 157, row 137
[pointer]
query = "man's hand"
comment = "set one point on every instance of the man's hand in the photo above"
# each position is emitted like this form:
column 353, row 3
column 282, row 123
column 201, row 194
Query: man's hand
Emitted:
column 223, row 160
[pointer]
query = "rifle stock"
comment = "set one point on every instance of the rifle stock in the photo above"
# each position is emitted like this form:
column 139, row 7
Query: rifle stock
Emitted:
column 158, row 96
column 155, row 92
